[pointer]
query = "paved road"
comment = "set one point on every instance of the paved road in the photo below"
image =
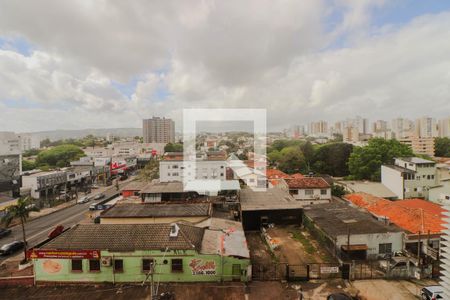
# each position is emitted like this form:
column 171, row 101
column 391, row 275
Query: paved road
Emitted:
column 38, row 229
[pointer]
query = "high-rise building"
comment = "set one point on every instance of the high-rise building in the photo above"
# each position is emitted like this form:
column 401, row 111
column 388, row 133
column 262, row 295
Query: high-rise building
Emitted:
column 419, row 145
column 319, row 128
column 426, row 127
column 444, row 127
column 402, row 128
column 379, row 126
column 158, row 130
column 10, row 163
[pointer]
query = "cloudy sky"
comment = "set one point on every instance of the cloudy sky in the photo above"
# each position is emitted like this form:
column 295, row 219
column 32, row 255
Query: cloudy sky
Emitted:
column 97, row 64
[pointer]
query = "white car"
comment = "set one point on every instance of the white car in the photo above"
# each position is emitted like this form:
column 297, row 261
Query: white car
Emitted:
column 433, row 292
column 84, row 199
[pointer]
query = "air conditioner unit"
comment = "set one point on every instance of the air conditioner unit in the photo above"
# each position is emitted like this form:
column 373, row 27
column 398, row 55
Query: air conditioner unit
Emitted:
column 106, row 261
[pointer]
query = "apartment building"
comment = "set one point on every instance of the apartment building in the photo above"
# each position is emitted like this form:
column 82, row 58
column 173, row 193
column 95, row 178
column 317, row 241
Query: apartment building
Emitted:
column 319, row 128
column 158, row 130
column 410, row 177
column 29, row 141
column 444, row 127
column 401, row 128
column 171, row 168
column 426, row 127
column 419, row 145
column 10, row 163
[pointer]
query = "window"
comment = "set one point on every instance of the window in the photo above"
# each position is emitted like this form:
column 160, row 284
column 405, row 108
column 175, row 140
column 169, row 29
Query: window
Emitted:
column 94, row 265
column 177, row 265
column 385, row 248
column 147, row 264
column 293, row 192
column 77, row 265
column 118, row 265
column 309, row 192
column 323, row 192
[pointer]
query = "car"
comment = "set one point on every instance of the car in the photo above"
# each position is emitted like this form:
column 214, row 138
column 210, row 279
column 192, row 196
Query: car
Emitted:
column 339, row 296
column 93, row 206
column 94, row 186
column 56, row 231
column 99, row 196
column 432, row 292
column 12, row 247
column 4, row 232
column 84, row 199
column 398, row 262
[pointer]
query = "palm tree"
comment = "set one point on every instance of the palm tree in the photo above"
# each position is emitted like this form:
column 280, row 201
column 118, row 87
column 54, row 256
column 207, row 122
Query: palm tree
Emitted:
column 21, row 210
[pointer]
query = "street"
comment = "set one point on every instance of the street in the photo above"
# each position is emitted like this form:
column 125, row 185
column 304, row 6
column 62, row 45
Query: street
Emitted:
column 38, row 229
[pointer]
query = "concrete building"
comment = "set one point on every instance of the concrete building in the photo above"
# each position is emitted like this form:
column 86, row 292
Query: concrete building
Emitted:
column 10, row 163
column 402, row 128
column 419, row 145
column 310, row 190
column 444, row 127
column 319, row 128
column 29, row 141
column 441, row 192
column 410, row 177
column 351, row 233
column 426, row 127
column 158, row 130
column 172, row 168
column 43, row 184
column 112, row 253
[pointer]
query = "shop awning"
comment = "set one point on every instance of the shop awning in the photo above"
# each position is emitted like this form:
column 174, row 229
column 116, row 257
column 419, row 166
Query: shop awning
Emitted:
column 359, row 247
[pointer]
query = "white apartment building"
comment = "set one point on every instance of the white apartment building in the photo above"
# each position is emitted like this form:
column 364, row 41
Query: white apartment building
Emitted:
column 426, row 127
column 410, row 177
column 173, row 170
column 444, row 127
column 10, row 163
column 402, row 128
column 29, row 141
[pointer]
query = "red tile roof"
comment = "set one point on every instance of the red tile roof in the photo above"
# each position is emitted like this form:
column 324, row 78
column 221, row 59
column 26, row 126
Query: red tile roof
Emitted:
column 413, row 215
column 297, row 176
column 307, row 183
column 275, row 174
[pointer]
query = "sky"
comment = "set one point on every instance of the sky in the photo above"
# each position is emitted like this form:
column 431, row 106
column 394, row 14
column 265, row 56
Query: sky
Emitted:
column 109, row 64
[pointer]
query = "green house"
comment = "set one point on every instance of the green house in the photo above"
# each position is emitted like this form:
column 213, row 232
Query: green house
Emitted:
column 142, row 252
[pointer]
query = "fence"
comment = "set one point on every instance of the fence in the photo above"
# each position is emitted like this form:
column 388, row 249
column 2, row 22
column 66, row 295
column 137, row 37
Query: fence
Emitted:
column 303, row 272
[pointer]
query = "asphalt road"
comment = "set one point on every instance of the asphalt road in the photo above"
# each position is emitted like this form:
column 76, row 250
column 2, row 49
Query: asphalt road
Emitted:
column 37, row 229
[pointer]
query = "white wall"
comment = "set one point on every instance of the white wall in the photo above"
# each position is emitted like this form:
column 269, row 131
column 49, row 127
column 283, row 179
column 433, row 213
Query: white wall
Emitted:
column 31, row 183
column 315, row 198
column 373, row 240
column 206, row 169
column 393, row 180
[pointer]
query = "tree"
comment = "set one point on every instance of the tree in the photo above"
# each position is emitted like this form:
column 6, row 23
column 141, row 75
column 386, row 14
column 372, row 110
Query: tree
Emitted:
column 308, row 153
column 28, row 165
column 21, row 211
column 332, row 159
column 292, row 160
column 442, row 147
column 338, row 190
column 365, row 162
column 170, row 147
column 150, row 171
column 59, row 156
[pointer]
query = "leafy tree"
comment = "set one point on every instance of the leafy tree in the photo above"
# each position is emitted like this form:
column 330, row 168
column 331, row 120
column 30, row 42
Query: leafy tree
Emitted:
column 59, row 156
column 332, row 159
column 45, row 143
column 442, row 147
column 338, row 190
column 28, row 165
column 365, row 162
column 308, row 152
column 21, row 211
column 150, row 171
column 31, row 152
column 292, row 160
column 170, row 147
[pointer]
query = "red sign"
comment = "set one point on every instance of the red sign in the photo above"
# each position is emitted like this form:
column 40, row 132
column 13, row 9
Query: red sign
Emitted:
column 68, row 254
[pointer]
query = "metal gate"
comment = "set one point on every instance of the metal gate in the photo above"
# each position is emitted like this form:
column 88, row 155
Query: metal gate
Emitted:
column 366, row 270
column 297, row 272
column 269, row 272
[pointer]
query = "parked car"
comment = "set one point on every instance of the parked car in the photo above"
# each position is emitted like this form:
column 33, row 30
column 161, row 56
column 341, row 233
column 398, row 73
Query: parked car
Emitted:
column 84, row 199
column 56, row 231
column 339, row 296
column 12, row 247
column 433, row 292
column 99, row 196
column 398, row 262
column 93, row 206
column 4, row 232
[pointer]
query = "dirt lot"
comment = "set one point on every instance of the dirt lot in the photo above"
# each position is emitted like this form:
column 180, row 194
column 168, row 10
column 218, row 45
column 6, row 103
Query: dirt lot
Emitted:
column 390, row 289
column 297, row 247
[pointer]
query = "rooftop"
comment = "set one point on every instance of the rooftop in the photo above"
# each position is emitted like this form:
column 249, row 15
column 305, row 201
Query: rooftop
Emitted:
column 155, row 210
column 134, row 186
column 374, row 188
column 339, row 218
column 307, row 183
column 400, row 169
column 163, row 187
column 269, row 199
column 416, row 160
column 125, row 237
column 275, row 174
column 413, row 215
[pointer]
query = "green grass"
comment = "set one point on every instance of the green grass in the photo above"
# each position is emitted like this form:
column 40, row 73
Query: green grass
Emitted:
column 309, row 248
